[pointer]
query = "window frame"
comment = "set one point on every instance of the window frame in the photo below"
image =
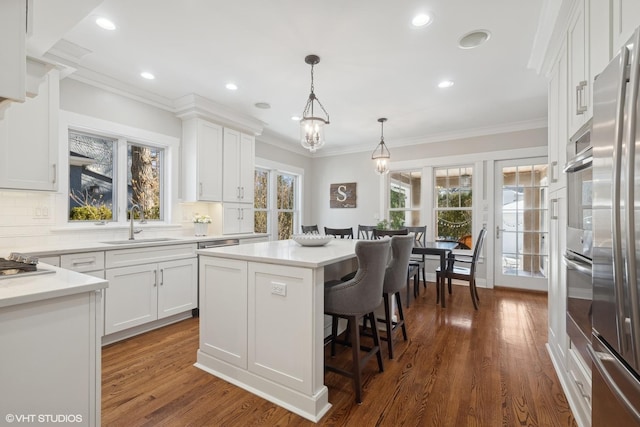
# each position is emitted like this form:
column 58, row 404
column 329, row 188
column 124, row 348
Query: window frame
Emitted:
column 123, row 134
column 435, row 196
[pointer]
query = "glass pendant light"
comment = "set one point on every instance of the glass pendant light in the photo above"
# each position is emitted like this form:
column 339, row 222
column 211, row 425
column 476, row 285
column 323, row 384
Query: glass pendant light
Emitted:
column 312, row 127
column 381, row 154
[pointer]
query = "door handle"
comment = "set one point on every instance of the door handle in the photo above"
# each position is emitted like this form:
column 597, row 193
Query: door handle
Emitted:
column 497, row 231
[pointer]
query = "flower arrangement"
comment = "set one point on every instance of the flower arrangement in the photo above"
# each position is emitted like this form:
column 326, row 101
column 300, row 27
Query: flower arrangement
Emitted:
column 201, row 219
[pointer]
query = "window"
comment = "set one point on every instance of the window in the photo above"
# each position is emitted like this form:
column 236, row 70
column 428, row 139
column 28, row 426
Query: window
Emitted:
column 94, row 190
column 404, row 198
column 453, row 204
column 276, row 202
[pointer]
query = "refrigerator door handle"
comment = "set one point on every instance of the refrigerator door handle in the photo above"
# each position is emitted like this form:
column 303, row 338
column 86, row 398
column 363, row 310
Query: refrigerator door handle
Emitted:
column 618, row 273
column 597, row 357
column 634, row 82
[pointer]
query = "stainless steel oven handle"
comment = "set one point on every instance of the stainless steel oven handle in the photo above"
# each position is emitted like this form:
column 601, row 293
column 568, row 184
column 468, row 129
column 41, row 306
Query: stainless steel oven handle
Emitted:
column 578, row 266
column 583, row 160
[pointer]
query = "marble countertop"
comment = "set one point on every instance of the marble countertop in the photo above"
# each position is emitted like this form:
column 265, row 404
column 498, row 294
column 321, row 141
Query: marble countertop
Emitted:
column 287, row 252
column 84, row 246
column 19, row 290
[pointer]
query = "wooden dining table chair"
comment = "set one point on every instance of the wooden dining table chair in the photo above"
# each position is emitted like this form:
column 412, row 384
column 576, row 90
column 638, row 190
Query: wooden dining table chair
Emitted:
column 343, row 233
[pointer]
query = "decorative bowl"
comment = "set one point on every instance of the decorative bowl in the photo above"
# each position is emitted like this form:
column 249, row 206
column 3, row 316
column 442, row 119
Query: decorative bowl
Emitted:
column 312, row 239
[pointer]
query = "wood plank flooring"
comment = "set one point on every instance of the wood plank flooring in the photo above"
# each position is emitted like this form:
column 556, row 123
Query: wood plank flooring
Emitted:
column 458, row 368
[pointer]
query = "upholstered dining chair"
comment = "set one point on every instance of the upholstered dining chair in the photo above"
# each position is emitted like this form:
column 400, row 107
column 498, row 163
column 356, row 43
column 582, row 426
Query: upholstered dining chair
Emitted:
column 420, row 238
column 394, row 281
column 310, row 229
column 355, row 299
column 467, row 273
column 343, row 233
column 365, row 232
column 413, row 271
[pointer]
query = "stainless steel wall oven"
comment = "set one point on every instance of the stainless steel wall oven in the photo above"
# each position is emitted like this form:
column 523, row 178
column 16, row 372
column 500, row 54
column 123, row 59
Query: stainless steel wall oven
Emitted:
column 578, row 255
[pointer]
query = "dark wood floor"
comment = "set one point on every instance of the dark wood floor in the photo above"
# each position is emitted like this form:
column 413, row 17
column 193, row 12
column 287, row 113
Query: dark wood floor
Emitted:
column 459, row 368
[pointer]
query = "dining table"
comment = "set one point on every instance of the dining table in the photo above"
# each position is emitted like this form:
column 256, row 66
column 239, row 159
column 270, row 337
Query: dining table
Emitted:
column 440, row 248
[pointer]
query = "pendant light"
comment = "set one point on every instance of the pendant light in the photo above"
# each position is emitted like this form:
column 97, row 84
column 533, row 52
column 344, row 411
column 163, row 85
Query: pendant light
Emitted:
column 312, row 127
column 381, row 154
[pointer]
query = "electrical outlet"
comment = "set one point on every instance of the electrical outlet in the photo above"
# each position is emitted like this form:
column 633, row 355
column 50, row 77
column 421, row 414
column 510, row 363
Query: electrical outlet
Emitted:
column 279, row 289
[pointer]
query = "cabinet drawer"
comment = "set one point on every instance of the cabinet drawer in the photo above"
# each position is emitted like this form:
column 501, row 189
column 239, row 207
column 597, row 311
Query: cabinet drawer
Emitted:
column 581, row 379
column 86, row 261
column 146, row 255
column 51, row 260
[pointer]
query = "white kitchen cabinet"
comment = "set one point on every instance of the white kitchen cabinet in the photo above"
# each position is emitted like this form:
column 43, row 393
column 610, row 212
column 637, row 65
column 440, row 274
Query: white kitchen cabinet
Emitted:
column 557, row 124
column 237, row 218
column 223, row 297
column 83, row 262
column 143, row 293
column 625, row 18
column 600, row 52
column 51, row 360
column 557, row 294
column 13, row 30
column 579, row 84
column 29, row 140
column 239, row 156
column 202, row 158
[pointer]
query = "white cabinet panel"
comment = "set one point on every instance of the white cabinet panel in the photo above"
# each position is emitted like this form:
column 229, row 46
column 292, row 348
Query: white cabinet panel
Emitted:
column 237, row 218
column 579, row 80
column 29, row 140
column 12, row 45
column 146, row 255
column 83, row 262
column 131, row 298
column 558, row 341
column 557, row 124
column 178, row 287
column 239, row 154
column 202, row 171
column 223, row 297
column 625, row 19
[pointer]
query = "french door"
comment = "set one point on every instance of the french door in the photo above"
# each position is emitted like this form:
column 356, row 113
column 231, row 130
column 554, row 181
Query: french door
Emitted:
column 521, row 233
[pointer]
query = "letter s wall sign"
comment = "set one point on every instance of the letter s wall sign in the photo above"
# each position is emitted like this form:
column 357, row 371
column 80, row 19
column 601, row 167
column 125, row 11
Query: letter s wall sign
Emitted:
column 342, row 195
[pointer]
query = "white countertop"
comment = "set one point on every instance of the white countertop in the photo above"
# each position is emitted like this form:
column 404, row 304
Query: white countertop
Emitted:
column 84, row 246
column 288, row 252
column 20, row 290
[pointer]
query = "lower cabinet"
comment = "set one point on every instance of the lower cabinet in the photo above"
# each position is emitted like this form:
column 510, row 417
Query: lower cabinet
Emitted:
column 143, row 293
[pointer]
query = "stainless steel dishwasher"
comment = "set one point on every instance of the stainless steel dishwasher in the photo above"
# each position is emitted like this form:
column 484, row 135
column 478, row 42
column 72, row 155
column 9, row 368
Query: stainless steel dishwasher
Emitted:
column 208, row 244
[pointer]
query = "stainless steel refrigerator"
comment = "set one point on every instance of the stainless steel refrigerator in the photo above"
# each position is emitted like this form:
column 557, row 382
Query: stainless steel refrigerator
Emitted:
column 615, row 342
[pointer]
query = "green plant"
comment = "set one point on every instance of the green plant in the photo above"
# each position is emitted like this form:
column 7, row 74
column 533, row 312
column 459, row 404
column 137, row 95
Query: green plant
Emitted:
column 397, row 222
column 382, row 225
column 90, row 209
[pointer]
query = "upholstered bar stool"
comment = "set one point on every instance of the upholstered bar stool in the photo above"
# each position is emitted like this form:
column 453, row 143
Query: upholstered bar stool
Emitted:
column 394, row 280
column 355, row 299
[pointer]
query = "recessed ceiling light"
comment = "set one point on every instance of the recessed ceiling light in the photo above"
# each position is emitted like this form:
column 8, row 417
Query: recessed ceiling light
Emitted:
column 474, row 39
column 445, row 84
column 105, row 24
column 295, row 118
column 231, row 86
column 262, row 105
column 147, row 75
column 421, row 20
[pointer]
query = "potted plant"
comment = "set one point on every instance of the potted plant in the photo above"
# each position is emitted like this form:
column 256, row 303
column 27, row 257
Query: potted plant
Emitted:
column 201, row 224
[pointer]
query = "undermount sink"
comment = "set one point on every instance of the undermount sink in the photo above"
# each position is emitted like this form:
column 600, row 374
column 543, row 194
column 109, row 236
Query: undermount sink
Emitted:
column 128, row 242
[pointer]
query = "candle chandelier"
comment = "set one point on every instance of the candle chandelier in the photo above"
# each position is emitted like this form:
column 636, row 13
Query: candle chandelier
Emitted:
column 312, row 127
column 381, row 154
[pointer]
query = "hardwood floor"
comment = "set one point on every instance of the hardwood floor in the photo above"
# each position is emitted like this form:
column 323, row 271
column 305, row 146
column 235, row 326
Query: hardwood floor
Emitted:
column 458, row 368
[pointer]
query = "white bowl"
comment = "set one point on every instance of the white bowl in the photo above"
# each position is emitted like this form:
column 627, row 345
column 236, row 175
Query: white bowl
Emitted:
column 312, row 239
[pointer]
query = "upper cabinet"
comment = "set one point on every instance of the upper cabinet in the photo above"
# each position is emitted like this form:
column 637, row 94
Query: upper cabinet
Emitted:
column 29, row 140
column 201, row 160
column 239, row 155
column 625, row 18
column 579, row 81
column 13, row 61
column 557, row 125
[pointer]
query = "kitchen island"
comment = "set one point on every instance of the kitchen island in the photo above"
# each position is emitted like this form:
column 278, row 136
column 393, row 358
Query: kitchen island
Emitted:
column 262, row 323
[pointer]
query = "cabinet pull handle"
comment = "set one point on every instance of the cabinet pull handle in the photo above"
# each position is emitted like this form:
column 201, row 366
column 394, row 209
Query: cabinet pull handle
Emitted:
column 554, row 165
column 238, row 217
column 581, row 106
column 155, row 278
column 554, row 209
column 161, row 276
column 242, row 193
column 200, row 189
column 241, row 213
column 55, row 173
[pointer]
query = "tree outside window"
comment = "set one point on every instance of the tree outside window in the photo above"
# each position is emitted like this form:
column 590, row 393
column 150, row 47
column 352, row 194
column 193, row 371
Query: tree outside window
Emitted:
column 275, row 202
column 454, row 205
column 404, row 199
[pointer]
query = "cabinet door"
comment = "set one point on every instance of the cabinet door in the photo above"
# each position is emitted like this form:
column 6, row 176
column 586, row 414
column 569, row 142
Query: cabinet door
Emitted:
column 579, row 86
column 231, row 166
column 131, row 298
column 28, row 140
column 557, row 128
column 625, row 19
column 246, row 220
column 231, row 214
column 223, row 301
column 558, row 342
column 12, row 46
column 209, row 143
column 247, row 165
column 177, row 287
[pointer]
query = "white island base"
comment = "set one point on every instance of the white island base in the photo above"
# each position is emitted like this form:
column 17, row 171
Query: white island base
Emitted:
column 262, row 322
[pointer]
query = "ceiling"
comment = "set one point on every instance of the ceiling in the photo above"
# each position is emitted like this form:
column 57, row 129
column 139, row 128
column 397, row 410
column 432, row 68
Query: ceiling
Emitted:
column 374, row 63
